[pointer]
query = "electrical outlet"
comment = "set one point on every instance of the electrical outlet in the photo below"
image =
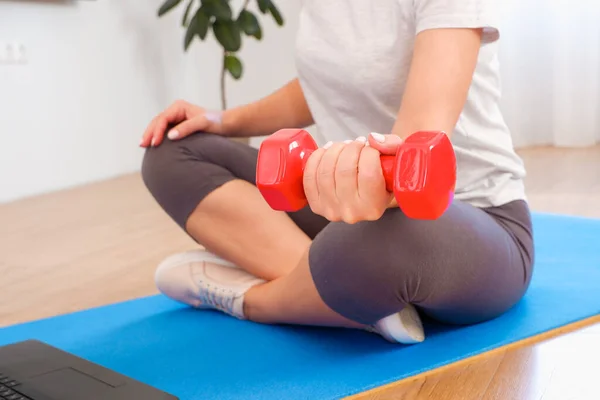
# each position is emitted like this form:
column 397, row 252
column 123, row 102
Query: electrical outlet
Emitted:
column 20, row 53
column 12, row 53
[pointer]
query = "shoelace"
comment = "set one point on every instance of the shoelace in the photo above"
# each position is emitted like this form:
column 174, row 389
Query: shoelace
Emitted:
column 220, row 299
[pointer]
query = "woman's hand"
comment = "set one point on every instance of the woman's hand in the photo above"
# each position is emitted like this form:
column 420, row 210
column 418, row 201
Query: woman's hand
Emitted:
column 186, row 118
column 344, row 181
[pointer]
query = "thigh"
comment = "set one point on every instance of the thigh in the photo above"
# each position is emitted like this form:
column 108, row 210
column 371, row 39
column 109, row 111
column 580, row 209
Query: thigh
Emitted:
column 467, row 266
column 179, row 174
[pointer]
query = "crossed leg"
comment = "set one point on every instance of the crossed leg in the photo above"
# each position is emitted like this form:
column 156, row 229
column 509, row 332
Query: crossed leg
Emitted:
column 469, row 266
column 206, row 184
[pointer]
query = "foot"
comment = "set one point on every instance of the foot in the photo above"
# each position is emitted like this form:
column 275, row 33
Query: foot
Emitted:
column 402, row 327
column 204, row 280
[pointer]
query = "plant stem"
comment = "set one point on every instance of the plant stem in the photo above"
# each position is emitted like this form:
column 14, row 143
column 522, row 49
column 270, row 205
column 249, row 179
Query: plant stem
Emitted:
column 223, row 74
column 224, row 71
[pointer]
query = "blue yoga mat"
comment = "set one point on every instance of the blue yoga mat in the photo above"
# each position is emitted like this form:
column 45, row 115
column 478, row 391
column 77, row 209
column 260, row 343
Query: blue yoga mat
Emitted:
column 206, row 355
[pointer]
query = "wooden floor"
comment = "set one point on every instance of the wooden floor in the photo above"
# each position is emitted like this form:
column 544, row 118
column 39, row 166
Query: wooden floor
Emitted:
column 99, row 244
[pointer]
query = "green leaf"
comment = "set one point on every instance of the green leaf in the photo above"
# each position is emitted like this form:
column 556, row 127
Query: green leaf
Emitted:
column 203, row 22
column 234, row 66
column 186, row 14
column 275, row 13
column 267, row 6
column 219, row 8
column 168, row 6
column 249, row 24
column 198, row 26
column 263, row 6
column 228, row 34
column 189, row 35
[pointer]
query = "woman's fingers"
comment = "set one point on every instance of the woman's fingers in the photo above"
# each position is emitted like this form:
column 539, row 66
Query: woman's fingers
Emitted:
column 326, row 182
column 198, row 119
column 171, row 116
column 371, row 184
column 186, row 128
column 385, row 144
column 360, row 185
column 179, row 111
column 346, row 180
column 309, row 180
column 147, row 136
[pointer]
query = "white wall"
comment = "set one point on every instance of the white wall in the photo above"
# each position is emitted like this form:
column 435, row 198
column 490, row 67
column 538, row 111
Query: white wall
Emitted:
column 97, row 72
column 550, row 64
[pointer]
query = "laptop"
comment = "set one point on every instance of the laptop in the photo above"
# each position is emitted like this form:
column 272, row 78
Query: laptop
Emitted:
column 34, row 370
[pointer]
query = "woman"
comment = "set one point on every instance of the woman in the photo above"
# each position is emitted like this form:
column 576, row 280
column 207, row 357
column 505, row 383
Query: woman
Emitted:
column 351, row 258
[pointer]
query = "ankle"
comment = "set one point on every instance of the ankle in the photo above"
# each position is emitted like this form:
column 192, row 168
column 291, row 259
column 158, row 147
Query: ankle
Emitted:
column 254, row 309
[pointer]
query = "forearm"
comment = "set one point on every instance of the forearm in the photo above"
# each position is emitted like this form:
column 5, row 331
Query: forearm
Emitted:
column 441, row 73
column 438, row 83
column 284, row 108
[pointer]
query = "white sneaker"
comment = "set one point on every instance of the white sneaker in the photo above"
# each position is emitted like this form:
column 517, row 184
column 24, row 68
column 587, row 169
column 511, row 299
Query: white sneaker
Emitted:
column 203, row 280
column 403, row 327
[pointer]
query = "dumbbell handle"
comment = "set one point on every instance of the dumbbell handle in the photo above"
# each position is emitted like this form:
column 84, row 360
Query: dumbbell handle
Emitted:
column 387, row 167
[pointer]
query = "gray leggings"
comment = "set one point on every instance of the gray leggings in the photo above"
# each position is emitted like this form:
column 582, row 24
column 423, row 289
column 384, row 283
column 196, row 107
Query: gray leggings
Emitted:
column 469, row 266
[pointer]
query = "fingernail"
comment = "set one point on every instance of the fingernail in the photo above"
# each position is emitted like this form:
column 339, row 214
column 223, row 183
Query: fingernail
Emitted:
column 173, row 134
column 378, row 137
column 327, row 145
column 152, row 142
column 347, row 141
column 361, row 139
column 141, row 141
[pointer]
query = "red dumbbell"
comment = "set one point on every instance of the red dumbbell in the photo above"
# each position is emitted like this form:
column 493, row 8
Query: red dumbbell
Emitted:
column 422, row 174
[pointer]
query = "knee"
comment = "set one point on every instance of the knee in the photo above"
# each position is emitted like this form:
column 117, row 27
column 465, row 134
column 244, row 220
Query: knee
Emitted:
column 157, row 164
column 160, row 165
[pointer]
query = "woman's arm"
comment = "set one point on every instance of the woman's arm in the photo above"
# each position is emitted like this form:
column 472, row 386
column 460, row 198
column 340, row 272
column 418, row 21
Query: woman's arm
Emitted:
column 438, row 83
column 284, row 108
column 439, row 79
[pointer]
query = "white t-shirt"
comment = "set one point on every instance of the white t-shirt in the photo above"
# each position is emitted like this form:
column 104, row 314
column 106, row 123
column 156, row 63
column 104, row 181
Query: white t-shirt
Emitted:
column 353, row 58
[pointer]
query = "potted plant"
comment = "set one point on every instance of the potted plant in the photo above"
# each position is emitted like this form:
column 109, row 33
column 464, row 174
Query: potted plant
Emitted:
column 203, row 17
